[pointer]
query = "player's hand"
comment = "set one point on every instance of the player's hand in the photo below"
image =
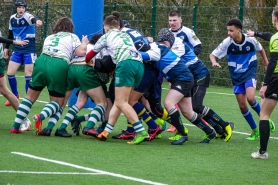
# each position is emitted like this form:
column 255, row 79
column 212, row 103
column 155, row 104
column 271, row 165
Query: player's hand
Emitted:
column 250, row 33
column 150, row 39
column 91, row 63
column 85, row 39
column 6, row 53
column 21, row 42
column 216, row 64
column 39, row 23
column 262, row 91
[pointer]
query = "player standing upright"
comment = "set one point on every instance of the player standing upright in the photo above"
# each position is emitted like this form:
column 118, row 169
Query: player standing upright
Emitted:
column 21, row 27
column 185, row 33
column 242, row 61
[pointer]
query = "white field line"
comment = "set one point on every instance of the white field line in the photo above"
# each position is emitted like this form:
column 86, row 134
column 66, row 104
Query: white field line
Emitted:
column 236, row 132
column 48, row 173
column 89, row 169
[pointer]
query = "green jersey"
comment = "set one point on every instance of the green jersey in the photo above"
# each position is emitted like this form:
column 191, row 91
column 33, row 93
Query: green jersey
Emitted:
column 119, row 46
column 273, row 47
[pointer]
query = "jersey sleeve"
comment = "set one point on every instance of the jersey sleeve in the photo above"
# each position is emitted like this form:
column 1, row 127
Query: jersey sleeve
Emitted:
column 193, row 39
column 30, row 17
column 221, row 49
column 101, row 43
column 257, row 44
column 154, row 53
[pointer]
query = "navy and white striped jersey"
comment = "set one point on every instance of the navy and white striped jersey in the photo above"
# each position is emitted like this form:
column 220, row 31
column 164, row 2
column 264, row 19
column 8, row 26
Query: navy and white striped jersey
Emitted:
column 139, row 40
column 187, row 55
column 242, row 58
column 188, row 36
column 167, row 62
column 24, row 29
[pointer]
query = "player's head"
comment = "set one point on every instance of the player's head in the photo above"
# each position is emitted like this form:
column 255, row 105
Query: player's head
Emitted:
column 126, row 24
column 117, row 14
column 111, row 22
column 95, row 38
column 275, row 16
column 64, row 24
column 234, row 27
column 166, row 37
column 20, row 6
column 175, row 20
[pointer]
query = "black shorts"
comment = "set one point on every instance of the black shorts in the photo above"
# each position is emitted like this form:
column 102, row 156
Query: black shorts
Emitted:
column 203, row 81
column 183, row 87
column 272, row 89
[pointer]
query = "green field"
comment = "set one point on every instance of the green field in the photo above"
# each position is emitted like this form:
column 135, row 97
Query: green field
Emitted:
column 27, row 159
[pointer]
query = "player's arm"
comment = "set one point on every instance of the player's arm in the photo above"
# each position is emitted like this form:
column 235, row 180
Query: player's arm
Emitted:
column 198, row 49
column 10, row 37
column 195, row 42
column 100, row 44
column 9, row 41
column 36, row 21
column 82, row 48
column 212, row 58
column 264, row 57
column 264, row 35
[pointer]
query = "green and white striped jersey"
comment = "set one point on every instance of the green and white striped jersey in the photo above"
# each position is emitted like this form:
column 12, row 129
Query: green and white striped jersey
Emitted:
column 119, row 46
column 61, row 45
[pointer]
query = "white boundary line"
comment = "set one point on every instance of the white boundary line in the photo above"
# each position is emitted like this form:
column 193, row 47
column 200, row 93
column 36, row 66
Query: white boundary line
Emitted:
column 88, row 169
column 48, row 173
column 242, row 133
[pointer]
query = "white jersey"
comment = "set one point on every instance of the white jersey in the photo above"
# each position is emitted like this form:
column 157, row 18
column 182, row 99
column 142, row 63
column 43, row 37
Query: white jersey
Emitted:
column 188, row 36
column 76, row 59
column 1, row 48
column 61, row 45
column 119, row 46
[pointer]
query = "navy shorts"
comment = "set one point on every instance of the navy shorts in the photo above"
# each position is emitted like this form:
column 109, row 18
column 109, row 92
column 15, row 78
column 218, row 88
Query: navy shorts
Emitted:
column 150, row 75
column 23, row 58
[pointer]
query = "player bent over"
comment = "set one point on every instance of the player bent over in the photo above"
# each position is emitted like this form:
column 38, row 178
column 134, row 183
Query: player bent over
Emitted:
column 124, row 54
column 181, row 79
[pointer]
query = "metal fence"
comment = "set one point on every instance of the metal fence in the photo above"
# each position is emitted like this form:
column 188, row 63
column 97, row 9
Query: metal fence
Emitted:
column 208, row 22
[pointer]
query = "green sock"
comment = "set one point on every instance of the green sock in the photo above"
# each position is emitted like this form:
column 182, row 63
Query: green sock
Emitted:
column 49, row 109
column 138, row 127
column 54, row 119
column 22, row 112
column 69, row 117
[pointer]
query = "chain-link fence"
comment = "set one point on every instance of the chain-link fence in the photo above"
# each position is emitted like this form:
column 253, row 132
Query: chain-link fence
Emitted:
column 208, row 22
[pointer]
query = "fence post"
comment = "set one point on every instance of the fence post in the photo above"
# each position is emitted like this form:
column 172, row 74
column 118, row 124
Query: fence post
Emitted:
column 45, row 21
column 153, row 19
column 114, row 6
column 241, row 8
column 194, row 23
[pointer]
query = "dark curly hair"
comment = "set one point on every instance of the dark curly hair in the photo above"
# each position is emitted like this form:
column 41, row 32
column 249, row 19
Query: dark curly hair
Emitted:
column 235, row 22
column 64, row 24
column 95, row 38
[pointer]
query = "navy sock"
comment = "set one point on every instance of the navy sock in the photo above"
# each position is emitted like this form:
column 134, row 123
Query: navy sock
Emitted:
column 142, row 112
column 249, row 118
column 13, row 84
column 256, row 107
column 27, row 80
